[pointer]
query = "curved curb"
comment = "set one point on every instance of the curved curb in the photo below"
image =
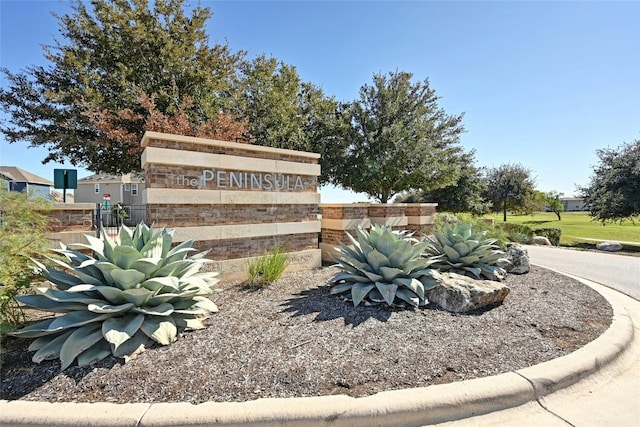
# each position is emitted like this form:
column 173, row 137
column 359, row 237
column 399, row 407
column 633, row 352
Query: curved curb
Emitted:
column 408, row 407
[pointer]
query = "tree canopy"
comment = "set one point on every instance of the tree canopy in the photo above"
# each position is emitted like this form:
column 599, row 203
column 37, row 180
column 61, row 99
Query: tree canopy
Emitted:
column 399, row 138
column 113, row 55
column 613, row 193
column 466, row 194
column 509, row 186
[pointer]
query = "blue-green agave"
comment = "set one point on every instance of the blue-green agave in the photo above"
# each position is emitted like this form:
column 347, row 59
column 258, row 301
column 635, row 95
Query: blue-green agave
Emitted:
column 459, row 249
column 137, row 291
column 383, row 266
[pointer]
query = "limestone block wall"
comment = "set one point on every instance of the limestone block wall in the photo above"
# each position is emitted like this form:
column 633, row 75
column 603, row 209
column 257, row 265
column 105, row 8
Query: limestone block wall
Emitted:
column 339, row 219
column 236, row 200
column 70, row 223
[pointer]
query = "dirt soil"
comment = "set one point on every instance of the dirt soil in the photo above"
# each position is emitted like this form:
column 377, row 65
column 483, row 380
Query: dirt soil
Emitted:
column 294, row 339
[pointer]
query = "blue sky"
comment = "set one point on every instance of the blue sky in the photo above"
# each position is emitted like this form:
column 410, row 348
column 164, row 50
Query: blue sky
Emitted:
column 542, row 83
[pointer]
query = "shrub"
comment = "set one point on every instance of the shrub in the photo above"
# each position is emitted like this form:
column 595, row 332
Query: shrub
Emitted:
column 383, row 267
column 518, row 233
column 460, row 249
column 553, row 234
column 23, row 235
column 135, row 292
column 268, row 268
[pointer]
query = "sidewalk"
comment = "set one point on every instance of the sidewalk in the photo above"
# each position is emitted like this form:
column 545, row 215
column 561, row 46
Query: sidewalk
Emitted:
column 597, row 385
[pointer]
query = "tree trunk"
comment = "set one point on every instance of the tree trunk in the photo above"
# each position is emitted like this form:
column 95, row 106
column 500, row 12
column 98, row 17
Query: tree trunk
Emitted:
column 504, row 211
column 558, row 215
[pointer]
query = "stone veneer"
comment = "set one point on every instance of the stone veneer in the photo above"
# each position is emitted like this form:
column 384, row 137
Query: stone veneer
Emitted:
column 70, row 223
column 236, row 200
column 340, row 219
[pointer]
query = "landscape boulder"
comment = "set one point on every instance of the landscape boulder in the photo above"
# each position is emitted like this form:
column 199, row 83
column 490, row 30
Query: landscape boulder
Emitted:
column 459, row 294
column 518, row 258
column 609, row 246
column 540, row 240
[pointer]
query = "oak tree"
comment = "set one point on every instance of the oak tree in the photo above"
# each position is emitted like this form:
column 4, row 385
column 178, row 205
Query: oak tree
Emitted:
column 613, row 193
column 399, row 138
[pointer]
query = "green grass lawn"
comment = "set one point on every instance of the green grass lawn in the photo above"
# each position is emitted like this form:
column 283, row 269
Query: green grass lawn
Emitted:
column 577, row 228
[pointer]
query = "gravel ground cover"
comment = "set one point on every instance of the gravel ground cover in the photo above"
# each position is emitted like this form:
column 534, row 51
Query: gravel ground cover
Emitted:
column 293, row 339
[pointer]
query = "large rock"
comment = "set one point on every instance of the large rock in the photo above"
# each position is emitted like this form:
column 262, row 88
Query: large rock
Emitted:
column 609, row 246
column 540, row 240
column 460, row 294
column 518, row 259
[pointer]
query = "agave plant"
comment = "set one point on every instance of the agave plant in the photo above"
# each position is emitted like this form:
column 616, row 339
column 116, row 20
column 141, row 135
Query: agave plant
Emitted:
column 383, row 267
column 137, row 291
column 459, row 249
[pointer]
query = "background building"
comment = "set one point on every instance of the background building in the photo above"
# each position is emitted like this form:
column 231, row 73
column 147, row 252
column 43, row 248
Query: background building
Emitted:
column 19, row 180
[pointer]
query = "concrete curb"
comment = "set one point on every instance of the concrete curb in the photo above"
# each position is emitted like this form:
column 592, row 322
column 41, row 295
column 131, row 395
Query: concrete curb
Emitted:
column 409, row 407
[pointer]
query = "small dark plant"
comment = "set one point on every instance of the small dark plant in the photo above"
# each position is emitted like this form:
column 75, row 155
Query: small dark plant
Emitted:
column 268, row 268
column 553, row 234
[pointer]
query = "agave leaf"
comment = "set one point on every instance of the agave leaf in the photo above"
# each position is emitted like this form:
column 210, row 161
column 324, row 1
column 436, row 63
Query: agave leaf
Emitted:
column 461, row 248
column 111, row 294
column 146, row 265
column 45, row 304
column 442, row 239
column 187, row 322
column 95, row 244
column 61, row 279
column 476, row 271
column 377, row 259
column 451, row 253
column 137, row 296
column 373, row 277
column 359, row 291
column 108, row 308
column 40, row 342
column 180, row 251
column 340, row 288
column 153, row 248
column 51, row 349
column 127, row 279
column 350, row 277
column 414, row 285
column 36, row 330
column 355, row 243
column 388, row 291
column 80, row 340
column 356, row 255
column 164, row 309
column 375, row 297
column 124, row 256
column 470, row 259
column 125, row 235
column 169, row 283
column 106, row 268
column 161, row 329
column 66, row 296
column 95, row 353
column 430, row 282
column 386, row 243
column 205, row 304
column 390, row 273
column 399, row 257
column 118, row 330
column 135, row 344
column 409, row 297
column 75, row 319
column 366, row 245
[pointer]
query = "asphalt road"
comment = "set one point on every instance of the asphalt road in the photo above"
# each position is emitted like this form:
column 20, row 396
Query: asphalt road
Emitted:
column 619, row 272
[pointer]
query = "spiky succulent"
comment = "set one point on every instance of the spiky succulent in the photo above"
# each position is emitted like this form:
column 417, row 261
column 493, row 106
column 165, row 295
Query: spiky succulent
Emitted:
column 459, row 249
column 383, row 266
column 136, row 291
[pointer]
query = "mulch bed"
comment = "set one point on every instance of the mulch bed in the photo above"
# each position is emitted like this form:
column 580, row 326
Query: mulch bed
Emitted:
column 293, row 339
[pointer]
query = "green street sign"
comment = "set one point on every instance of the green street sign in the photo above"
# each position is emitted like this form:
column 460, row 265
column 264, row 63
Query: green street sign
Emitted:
column 65, row 178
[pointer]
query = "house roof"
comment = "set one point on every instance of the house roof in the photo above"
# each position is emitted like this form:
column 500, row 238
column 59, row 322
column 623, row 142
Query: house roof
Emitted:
column 20, row 175
column 114, row 179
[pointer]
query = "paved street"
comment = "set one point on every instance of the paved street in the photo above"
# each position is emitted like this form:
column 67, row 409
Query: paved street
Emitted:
column 619, row 272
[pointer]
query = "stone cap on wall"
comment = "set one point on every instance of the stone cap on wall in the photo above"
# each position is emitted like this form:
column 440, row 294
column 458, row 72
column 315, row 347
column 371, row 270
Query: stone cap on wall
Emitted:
column 148, row 136
column 72, row 206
